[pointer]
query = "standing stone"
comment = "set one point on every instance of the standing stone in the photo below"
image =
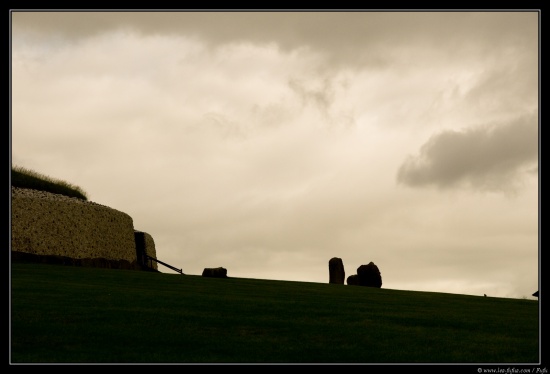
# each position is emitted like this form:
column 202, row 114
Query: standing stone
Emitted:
column 353, row 280
column 369, row 275
column 336, row 271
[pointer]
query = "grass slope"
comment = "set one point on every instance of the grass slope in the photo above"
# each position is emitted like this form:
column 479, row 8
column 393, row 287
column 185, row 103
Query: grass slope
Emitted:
column 64, row 314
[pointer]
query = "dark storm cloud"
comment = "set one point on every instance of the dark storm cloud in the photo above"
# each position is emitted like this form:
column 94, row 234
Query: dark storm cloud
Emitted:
column 485, row 157
column 350, row 37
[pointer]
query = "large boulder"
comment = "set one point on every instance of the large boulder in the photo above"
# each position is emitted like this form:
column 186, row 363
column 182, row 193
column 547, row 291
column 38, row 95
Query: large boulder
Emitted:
column 215, row 272
column 353, row 280
column 369, row 275
column 336, row 271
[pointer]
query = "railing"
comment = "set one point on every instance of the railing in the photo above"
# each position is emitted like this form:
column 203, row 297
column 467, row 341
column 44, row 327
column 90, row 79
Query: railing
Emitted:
column 163, row 263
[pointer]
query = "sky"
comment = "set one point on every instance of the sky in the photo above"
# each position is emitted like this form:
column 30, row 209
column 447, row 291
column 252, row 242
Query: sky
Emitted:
column 268, row 143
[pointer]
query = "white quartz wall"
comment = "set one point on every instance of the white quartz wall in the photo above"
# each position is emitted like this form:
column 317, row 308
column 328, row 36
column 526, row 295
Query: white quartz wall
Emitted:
column 50, row 224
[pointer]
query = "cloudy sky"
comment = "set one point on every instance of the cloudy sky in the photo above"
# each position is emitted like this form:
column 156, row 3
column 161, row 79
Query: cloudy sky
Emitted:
column 269, row 142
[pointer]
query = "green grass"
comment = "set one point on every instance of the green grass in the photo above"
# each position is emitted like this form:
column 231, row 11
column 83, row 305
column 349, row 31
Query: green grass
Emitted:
column 26, row 178
column 64, row 314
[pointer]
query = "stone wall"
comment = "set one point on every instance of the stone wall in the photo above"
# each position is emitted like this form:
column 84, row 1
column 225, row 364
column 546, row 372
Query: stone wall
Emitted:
column 50, row 224
column 145, row 245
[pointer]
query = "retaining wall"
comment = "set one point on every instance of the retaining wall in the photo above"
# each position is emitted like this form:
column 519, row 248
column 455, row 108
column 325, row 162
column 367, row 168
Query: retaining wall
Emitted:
column 47, row 224
column 145, row 245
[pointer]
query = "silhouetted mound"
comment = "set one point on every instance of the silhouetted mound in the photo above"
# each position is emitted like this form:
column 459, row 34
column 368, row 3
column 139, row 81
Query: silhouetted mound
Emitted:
column 215, row 272
column 336, row 270
column 57, row 229
column 369, row 275
column 353, row 280
column 84, row 262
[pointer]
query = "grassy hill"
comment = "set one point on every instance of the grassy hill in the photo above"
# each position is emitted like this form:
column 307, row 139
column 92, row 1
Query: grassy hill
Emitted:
column 66, row 314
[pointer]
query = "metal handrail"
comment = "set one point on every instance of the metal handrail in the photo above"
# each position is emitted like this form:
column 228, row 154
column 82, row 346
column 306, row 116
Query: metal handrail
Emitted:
column 165, row 264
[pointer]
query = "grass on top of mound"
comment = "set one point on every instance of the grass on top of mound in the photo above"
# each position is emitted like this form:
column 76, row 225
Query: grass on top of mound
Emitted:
column 25, row 178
